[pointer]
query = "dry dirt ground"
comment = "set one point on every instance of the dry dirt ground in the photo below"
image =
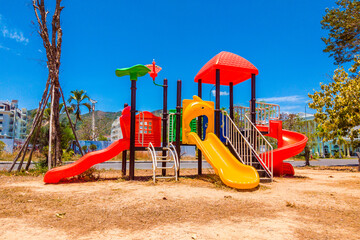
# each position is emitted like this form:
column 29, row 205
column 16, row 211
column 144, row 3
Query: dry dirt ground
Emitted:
column 318, row 203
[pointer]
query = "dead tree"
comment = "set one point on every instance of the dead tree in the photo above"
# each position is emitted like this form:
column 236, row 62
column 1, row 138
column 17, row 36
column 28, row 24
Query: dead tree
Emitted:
column 52, row 44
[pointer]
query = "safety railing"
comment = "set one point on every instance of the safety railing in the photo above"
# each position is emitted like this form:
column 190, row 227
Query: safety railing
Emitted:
column 263, row 149
column 171, row 156
column 236, row 139
column 141, row 129
column 264, row 113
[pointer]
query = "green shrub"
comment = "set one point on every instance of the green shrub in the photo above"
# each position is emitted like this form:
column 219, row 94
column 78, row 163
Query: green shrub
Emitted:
column 41, row 166
column 2, row 147
column 67, row 155
column 84, row 148
column 93, row 147
column 102, row 138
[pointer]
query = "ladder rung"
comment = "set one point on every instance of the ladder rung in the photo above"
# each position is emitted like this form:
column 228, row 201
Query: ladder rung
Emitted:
column 168, row 160
column 165, row 167
column 166, row 177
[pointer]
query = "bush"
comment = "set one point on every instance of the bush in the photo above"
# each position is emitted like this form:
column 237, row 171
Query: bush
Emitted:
column 84, row 148
column 2, row 147
column 41, row 166
column 336, row 155
column 93, row 147
column 102, row 138
column 67, row 155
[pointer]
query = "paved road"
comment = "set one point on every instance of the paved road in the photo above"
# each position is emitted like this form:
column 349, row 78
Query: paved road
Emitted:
column 193, row 164
column 327, row 162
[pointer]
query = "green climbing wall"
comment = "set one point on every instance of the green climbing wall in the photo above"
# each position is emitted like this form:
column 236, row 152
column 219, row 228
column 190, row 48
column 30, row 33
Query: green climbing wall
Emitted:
column 193, row 125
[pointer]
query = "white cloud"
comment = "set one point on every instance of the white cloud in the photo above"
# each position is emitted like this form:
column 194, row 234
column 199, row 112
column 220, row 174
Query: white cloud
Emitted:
column 294, row 98
column 288, row 108
column 14, row 34
column 222, row 93
column 5, row 48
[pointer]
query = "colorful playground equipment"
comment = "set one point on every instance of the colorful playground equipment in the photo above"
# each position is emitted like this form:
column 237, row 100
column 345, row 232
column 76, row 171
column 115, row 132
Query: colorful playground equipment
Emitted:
column 236, row 148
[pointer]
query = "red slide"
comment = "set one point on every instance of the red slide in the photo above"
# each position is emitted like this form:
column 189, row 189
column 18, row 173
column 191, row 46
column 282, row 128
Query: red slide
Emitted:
column 56, row 174
column 289, row 144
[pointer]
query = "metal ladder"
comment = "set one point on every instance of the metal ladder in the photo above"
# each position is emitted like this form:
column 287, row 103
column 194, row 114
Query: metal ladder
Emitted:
column 171, row 156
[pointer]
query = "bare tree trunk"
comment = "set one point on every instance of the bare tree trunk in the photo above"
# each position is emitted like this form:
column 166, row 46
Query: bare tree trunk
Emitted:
column 37, row 120
column 52, row 45
column 307, row 156
column 33, row 147
column 51, row 131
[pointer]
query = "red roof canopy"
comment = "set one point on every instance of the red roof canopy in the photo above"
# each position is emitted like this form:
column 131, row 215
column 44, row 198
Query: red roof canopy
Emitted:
column 233, row 68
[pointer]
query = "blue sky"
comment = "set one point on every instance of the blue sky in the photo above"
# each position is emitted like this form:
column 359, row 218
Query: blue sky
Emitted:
column 281, row 38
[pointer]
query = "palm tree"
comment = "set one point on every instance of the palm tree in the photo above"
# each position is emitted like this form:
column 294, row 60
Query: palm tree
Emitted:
column 76, row 101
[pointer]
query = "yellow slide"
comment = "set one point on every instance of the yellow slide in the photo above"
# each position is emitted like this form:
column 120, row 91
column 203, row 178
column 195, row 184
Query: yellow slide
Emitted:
column 231, row 171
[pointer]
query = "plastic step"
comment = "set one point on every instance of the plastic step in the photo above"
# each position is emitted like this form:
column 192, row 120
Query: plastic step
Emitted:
column 265, row 180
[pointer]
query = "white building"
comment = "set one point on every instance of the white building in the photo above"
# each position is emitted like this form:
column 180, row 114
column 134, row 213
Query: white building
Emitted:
column 116, row 133
column 12, row 120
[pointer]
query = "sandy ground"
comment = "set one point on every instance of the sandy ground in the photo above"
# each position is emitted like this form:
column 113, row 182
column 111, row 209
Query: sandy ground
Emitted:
column 316, row 204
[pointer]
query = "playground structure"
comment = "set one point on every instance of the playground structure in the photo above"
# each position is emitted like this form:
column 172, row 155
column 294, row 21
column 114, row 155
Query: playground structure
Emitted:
column 236, row 148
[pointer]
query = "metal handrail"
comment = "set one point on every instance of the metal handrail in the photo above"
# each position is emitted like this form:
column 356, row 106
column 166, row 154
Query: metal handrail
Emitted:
column 142, row 131
column 243, row 147
column 236, row 139
column 263, row 149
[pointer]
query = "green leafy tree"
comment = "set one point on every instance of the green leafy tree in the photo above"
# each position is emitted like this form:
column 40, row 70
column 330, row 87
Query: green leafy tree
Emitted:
column 343, row 25
column 77, row 101
column 102, row 138
column 337, row 105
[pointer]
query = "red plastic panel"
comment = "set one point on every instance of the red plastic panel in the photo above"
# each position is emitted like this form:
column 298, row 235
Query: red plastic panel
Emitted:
column 233, row 68
column 150, row 127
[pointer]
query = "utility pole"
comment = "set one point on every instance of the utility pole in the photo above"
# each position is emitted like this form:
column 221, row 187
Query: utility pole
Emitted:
column 93, row 118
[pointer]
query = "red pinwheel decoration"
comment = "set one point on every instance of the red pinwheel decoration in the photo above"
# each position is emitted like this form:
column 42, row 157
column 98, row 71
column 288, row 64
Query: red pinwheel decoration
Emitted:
column 154, row 70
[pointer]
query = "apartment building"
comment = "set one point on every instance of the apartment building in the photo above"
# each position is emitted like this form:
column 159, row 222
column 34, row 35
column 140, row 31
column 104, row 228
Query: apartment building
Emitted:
column 116, row 133
column 13, row 120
